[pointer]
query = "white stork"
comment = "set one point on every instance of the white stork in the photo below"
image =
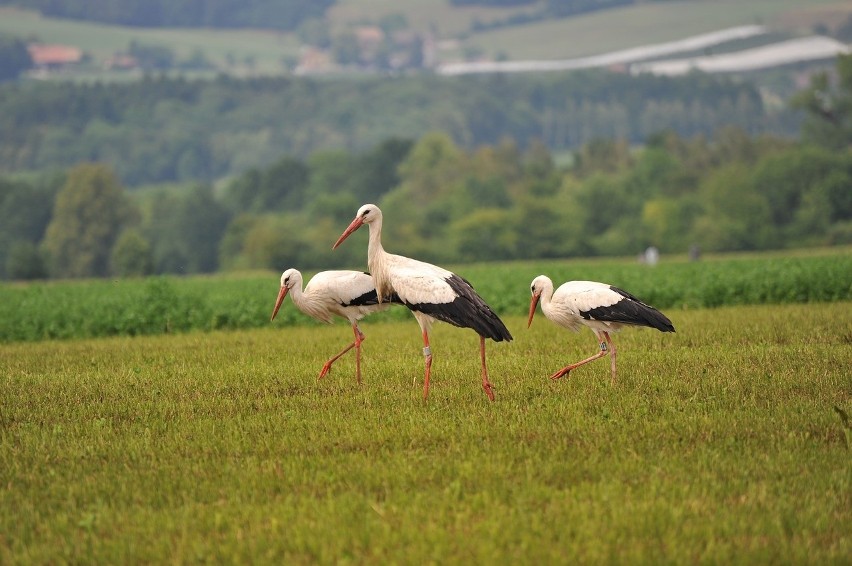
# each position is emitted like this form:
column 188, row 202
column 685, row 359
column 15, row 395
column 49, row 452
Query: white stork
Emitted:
column 348, row 294
column 601, row 307
column 430, row 292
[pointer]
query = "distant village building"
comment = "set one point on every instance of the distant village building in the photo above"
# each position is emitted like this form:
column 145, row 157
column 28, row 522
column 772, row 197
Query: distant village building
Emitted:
column 48, row 56
column 370, row 40
column 121, row 62
column 430, row 51
column 313, row 60
column 369, row 36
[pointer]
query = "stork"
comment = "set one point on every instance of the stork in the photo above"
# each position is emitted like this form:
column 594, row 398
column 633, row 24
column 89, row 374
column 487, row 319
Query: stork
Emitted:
column 598, row 306
column 430, row 292
column 348, row 294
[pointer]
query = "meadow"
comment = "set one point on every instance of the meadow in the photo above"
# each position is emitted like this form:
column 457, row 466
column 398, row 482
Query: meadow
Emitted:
column 722, row 443
column 726, row 442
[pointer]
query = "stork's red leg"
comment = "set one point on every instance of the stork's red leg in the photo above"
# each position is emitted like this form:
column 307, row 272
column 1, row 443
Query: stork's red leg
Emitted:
column 427, row 353
column 359, row 337
column 327, row 366
column 486, row 385
column 612, row 354
column 356, row 344
column 603, row 352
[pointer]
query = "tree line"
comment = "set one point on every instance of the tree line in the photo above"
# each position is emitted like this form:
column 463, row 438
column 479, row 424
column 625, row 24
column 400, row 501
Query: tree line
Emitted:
column 445, row 202
column 14, row 57
column 170, row 129
column 442, row 203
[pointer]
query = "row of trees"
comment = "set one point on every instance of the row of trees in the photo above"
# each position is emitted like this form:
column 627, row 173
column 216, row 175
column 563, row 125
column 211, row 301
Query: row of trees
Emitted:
column 14, row 57
column 85, row 223
column 441, row 203
column 163, row 130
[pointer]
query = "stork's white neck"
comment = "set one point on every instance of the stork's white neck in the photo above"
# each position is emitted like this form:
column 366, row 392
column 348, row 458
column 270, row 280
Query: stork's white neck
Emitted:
column 546, row 295
column 297, row 296
column 376, row 255
column 374, row 247
column 307, row 303
column 300, row 300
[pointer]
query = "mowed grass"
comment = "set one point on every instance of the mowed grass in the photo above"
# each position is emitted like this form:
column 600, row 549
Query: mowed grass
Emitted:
column 721, row 443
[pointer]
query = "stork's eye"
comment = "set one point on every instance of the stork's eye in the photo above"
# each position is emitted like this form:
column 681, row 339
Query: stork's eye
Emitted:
column 287, row 281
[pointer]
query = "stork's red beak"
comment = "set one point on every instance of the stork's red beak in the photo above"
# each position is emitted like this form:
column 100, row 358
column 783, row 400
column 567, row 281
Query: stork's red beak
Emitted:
column 352, row 227
column 533, row 305
column 281, row 294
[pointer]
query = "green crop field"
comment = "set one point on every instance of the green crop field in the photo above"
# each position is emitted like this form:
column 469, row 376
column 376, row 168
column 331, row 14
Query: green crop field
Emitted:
column 722, row 443
column 89, row 309
column 726, row 442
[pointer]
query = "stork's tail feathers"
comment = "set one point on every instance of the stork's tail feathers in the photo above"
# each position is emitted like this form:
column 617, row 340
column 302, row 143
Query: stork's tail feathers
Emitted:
column 658, row 320
column 468, row 310
column 494, row 329
column 636, row 312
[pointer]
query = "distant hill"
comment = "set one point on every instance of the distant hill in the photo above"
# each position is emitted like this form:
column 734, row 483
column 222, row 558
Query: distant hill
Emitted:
column 280, row 14
column 234, row 37
column 486, row 32
column 289, row 14
column 162, row 130
column 251, row 104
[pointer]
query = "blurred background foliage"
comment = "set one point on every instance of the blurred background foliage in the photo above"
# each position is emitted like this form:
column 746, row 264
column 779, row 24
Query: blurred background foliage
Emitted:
column 444, row 200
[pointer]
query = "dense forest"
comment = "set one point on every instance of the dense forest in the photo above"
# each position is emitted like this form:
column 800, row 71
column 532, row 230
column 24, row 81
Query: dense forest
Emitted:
column 162, row 129
column 280, row 14
column 447, row 202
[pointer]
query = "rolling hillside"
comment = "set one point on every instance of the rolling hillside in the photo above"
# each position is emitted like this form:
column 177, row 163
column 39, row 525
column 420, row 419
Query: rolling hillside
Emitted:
column 451, row 34
column 652, row 22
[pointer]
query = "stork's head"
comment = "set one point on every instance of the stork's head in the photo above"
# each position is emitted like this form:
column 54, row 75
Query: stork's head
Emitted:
column 367, row 214
column 536, row 288
column 289, row 279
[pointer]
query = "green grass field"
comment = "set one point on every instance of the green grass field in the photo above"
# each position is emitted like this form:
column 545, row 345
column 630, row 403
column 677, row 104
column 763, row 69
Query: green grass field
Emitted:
column 719, row 444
